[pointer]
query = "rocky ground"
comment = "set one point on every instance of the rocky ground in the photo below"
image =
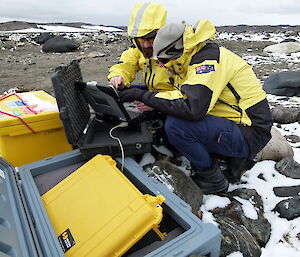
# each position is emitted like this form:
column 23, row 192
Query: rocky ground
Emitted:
column 23, row 64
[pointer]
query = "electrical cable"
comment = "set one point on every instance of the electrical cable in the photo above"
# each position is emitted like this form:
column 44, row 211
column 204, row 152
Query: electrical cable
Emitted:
column 121, row 125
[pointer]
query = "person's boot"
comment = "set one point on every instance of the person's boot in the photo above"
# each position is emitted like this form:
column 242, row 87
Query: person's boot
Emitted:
column 236, row 167
column 211, row 181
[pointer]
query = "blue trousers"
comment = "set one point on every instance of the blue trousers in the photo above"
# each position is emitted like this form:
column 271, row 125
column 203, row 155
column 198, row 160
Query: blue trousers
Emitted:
column 198, row 141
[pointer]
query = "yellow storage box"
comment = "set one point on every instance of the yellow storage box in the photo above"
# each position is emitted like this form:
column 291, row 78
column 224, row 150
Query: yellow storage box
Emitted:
column 30, row 128
column 97, row 211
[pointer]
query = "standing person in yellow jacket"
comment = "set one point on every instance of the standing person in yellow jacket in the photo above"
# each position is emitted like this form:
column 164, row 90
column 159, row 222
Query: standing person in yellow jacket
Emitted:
column 145, row 21
column 220, row 109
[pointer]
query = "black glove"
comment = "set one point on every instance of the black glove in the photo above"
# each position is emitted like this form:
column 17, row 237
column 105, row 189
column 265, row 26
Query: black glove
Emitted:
column 131, row 94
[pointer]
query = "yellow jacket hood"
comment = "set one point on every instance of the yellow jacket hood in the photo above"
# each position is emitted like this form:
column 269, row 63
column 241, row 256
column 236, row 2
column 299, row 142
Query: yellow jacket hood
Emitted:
column 145, row 18
column 195, row 35
column 194, row 39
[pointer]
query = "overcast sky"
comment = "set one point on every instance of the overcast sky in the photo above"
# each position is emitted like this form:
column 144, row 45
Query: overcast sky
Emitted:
column 117, row 12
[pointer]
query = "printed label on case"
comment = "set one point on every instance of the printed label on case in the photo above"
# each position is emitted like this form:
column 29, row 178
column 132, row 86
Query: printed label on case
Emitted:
column 66, row 240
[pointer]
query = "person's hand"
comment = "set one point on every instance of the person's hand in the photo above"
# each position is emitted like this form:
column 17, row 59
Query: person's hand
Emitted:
column 142, row 107
column 131, row 94
column 117, row 82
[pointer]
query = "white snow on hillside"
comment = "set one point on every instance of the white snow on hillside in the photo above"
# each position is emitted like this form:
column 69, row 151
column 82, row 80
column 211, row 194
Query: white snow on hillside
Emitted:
column 59, row 28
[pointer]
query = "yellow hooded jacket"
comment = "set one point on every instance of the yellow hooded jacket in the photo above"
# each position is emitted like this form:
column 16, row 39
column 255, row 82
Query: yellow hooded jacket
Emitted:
column 215, row 81
column 145, row 18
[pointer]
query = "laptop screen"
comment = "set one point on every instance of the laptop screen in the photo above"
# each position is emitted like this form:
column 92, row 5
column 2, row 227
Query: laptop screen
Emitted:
column 104, row 100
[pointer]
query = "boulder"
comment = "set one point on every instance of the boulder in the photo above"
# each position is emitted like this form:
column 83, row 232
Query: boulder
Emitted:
column 60, row 45
column 289, row 40
column 289, row 209
column 289, row 168
column 285, row 115
column 43, row 37
column 293, row 33
column 236, row 238
column 293, row 139
column 95, row 54
column 286, row 191
column 258, row 226
column 283, row 83
column 276, row 149
column 182, row 185
column 283, row 48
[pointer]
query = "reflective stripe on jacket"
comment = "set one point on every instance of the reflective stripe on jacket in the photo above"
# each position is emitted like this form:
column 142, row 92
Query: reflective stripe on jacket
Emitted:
column 145, row 18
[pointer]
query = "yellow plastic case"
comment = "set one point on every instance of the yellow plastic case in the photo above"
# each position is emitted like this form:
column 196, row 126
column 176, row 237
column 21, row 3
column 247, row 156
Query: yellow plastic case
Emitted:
column 43, row 136
column 97, row 211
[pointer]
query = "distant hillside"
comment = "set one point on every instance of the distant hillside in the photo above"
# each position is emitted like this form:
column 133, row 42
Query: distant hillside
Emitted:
column 266, row 28
column 17, row 25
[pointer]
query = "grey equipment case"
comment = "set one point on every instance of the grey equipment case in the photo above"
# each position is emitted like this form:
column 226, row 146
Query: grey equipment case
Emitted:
column 91, row 133
column 26, row 231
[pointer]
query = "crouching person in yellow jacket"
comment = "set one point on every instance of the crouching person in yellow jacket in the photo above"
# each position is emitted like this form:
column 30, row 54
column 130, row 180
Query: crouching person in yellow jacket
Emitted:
column 145, row 21
column 220, row 109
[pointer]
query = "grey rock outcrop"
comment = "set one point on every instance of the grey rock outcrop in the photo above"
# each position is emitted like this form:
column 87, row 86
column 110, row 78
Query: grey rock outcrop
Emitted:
column 60, row 45
column 285, row 48
column 288, row 167
column 285, row 115
column 182, row 184
column 259, row 228
column 236, row 238
column 285, row 83
column 276, row 149
column 286, row 191
column 43, row 37
column 289, row 209
column 95, row 54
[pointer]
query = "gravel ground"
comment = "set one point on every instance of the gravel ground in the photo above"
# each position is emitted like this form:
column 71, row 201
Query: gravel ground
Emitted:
column 24, row 65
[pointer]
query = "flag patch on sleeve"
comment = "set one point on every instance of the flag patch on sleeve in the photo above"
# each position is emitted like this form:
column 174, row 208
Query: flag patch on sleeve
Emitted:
column 205, row 68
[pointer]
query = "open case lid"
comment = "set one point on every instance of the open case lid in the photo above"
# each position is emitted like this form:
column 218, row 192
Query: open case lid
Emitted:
column 16, row 233
column 24, row 227
column 73, row 108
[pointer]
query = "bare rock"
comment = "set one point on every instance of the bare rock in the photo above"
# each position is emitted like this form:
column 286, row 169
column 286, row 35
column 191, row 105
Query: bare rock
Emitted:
column 286, row 83
column 293, row 138
column 288, row 167
column 285, row 48
column 43, row 37
column 60, row 44
column 182, row 184
column 103, row 37
column 8, row 46
column 289, row 209
column 236, row 238
column 289, row 40
column 95, row 54
column 258, row 226
column 20, row 44
column 285, row 115
column 286, row 191
column 291, row 33
column 276, row 149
